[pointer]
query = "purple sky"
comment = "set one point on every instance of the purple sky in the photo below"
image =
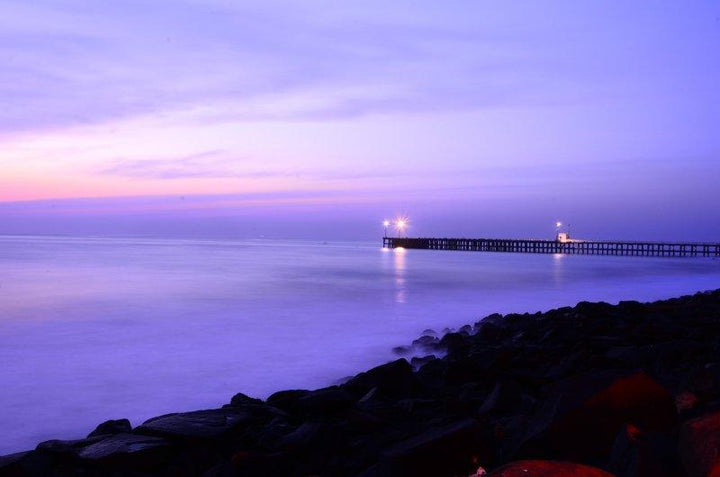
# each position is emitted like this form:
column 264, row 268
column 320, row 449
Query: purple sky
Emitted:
column 227, row 118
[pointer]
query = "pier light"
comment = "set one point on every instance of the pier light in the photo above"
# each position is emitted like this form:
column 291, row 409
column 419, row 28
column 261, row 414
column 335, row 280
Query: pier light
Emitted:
column 401, row 224
column 386, row 223
column 558, row 224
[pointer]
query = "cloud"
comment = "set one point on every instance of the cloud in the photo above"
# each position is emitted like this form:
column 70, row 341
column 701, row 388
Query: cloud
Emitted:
column 67, row 63
column 208, row 164
column 218, row 164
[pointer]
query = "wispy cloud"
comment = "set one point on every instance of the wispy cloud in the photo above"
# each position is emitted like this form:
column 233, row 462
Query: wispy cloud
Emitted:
column 219, row 164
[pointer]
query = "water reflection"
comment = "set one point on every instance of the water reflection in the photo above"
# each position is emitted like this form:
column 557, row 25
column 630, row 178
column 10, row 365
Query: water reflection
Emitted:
column 558, row 268
column 400, row 269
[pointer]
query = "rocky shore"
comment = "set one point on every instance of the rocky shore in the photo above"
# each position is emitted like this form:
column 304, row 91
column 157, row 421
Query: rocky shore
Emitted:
column 595, row 390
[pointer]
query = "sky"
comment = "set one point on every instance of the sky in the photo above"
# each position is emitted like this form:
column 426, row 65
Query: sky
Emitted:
column 320, row 119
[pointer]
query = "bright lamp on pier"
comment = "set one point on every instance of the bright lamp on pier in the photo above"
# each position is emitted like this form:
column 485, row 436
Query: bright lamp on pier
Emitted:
column 558, row 224
column 386, row 223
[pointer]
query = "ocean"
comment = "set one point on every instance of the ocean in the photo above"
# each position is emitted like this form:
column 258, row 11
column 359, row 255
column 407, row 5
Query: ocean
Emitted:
column 98, row 328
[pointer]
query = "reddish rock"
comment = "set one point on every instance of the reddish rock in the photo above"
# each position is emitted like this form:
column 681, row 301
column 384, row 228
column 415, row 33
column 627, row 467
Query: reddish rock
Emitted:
column 700, row 446
column 547, row 468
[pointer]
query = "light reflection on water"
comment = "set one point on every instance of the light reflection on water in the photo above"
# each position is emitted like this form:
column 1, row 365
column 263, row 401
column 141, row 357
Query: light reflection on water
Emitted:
column 96, row 328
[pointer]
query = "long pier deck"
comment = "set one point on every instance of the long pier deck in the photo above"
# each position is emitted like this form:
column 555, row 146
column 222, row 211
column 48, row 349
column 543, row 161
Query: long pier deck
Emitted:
column 576, row 247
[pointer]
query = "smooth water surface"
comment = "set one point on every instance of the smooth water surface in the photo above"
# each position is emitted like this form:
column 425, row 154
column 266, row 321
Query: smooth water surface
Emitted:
column 99, row 328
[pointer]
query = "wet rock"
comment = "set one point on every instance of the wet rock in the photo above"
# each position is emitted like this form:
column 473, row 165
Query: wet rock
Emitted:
column 700, row 446
column 402, row 350
column 544, row 468
column 426, row 343
column 207, row 424
column 117, row 426
column 419, row 361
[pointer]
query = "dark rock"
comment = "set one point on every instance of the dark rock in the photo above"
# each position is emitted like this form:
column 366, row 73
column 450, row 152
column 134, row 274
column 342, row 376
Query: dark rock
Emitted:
column 242, row 400
column 594, row 311
column 419, row 361
column 320, row 436
column 459, row 371
column 12, row 465
column 543, row 468
column 28, row 464
column 324, row 401
column 208, row 424
column 492, row 331
column 128, row 448
column 644, row 454
column 507, row 396
column 286, row 399
column 117, row 426
column 456, row 343
column 704, row 382
column 582, row 416
column 700, row 446
column 454, row 449
column 67, row 447
column 394, row 379
column 466, row 330
column 426, row 343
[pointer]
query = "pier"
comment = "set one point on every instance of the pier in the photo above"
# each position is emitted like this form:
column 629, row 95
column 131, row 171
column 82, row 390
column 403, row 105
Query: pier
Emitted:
column 569, row 247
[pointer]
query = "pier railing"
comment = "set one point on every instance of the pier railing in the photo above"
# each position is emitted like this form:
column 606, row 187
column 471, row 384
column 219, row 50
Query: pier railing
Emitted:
column 579, row 247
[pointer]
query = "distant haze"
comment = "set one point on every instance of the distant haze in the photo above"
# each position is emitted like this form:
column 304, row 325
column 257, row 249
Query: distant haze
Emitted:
column 320, row 119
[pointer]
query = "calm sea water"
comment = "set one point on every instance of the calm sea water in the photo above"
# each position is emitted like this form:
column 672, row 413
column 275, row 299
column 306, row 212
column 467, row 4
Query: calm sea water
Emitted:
column 100, row 328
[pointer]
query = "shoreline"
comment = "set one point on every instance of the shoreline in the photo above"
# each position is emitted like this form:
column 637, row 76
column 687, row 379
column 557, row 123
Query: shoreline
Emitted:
column 620, row 388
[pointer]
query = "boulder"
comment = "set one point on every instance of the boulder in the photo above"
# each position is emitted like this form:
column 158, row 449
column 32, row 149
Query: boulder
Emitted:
column 644, row 454
column 66, row 447
column 207, row 424
column 699, row 446
column 286, row 399
column 126, row 448
column 453, row 449
column 393, row 379
column 242, row 400
column 547, row 468
column 582, row 416
column 704, row 382
column 117, row 426
column 328, row 401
